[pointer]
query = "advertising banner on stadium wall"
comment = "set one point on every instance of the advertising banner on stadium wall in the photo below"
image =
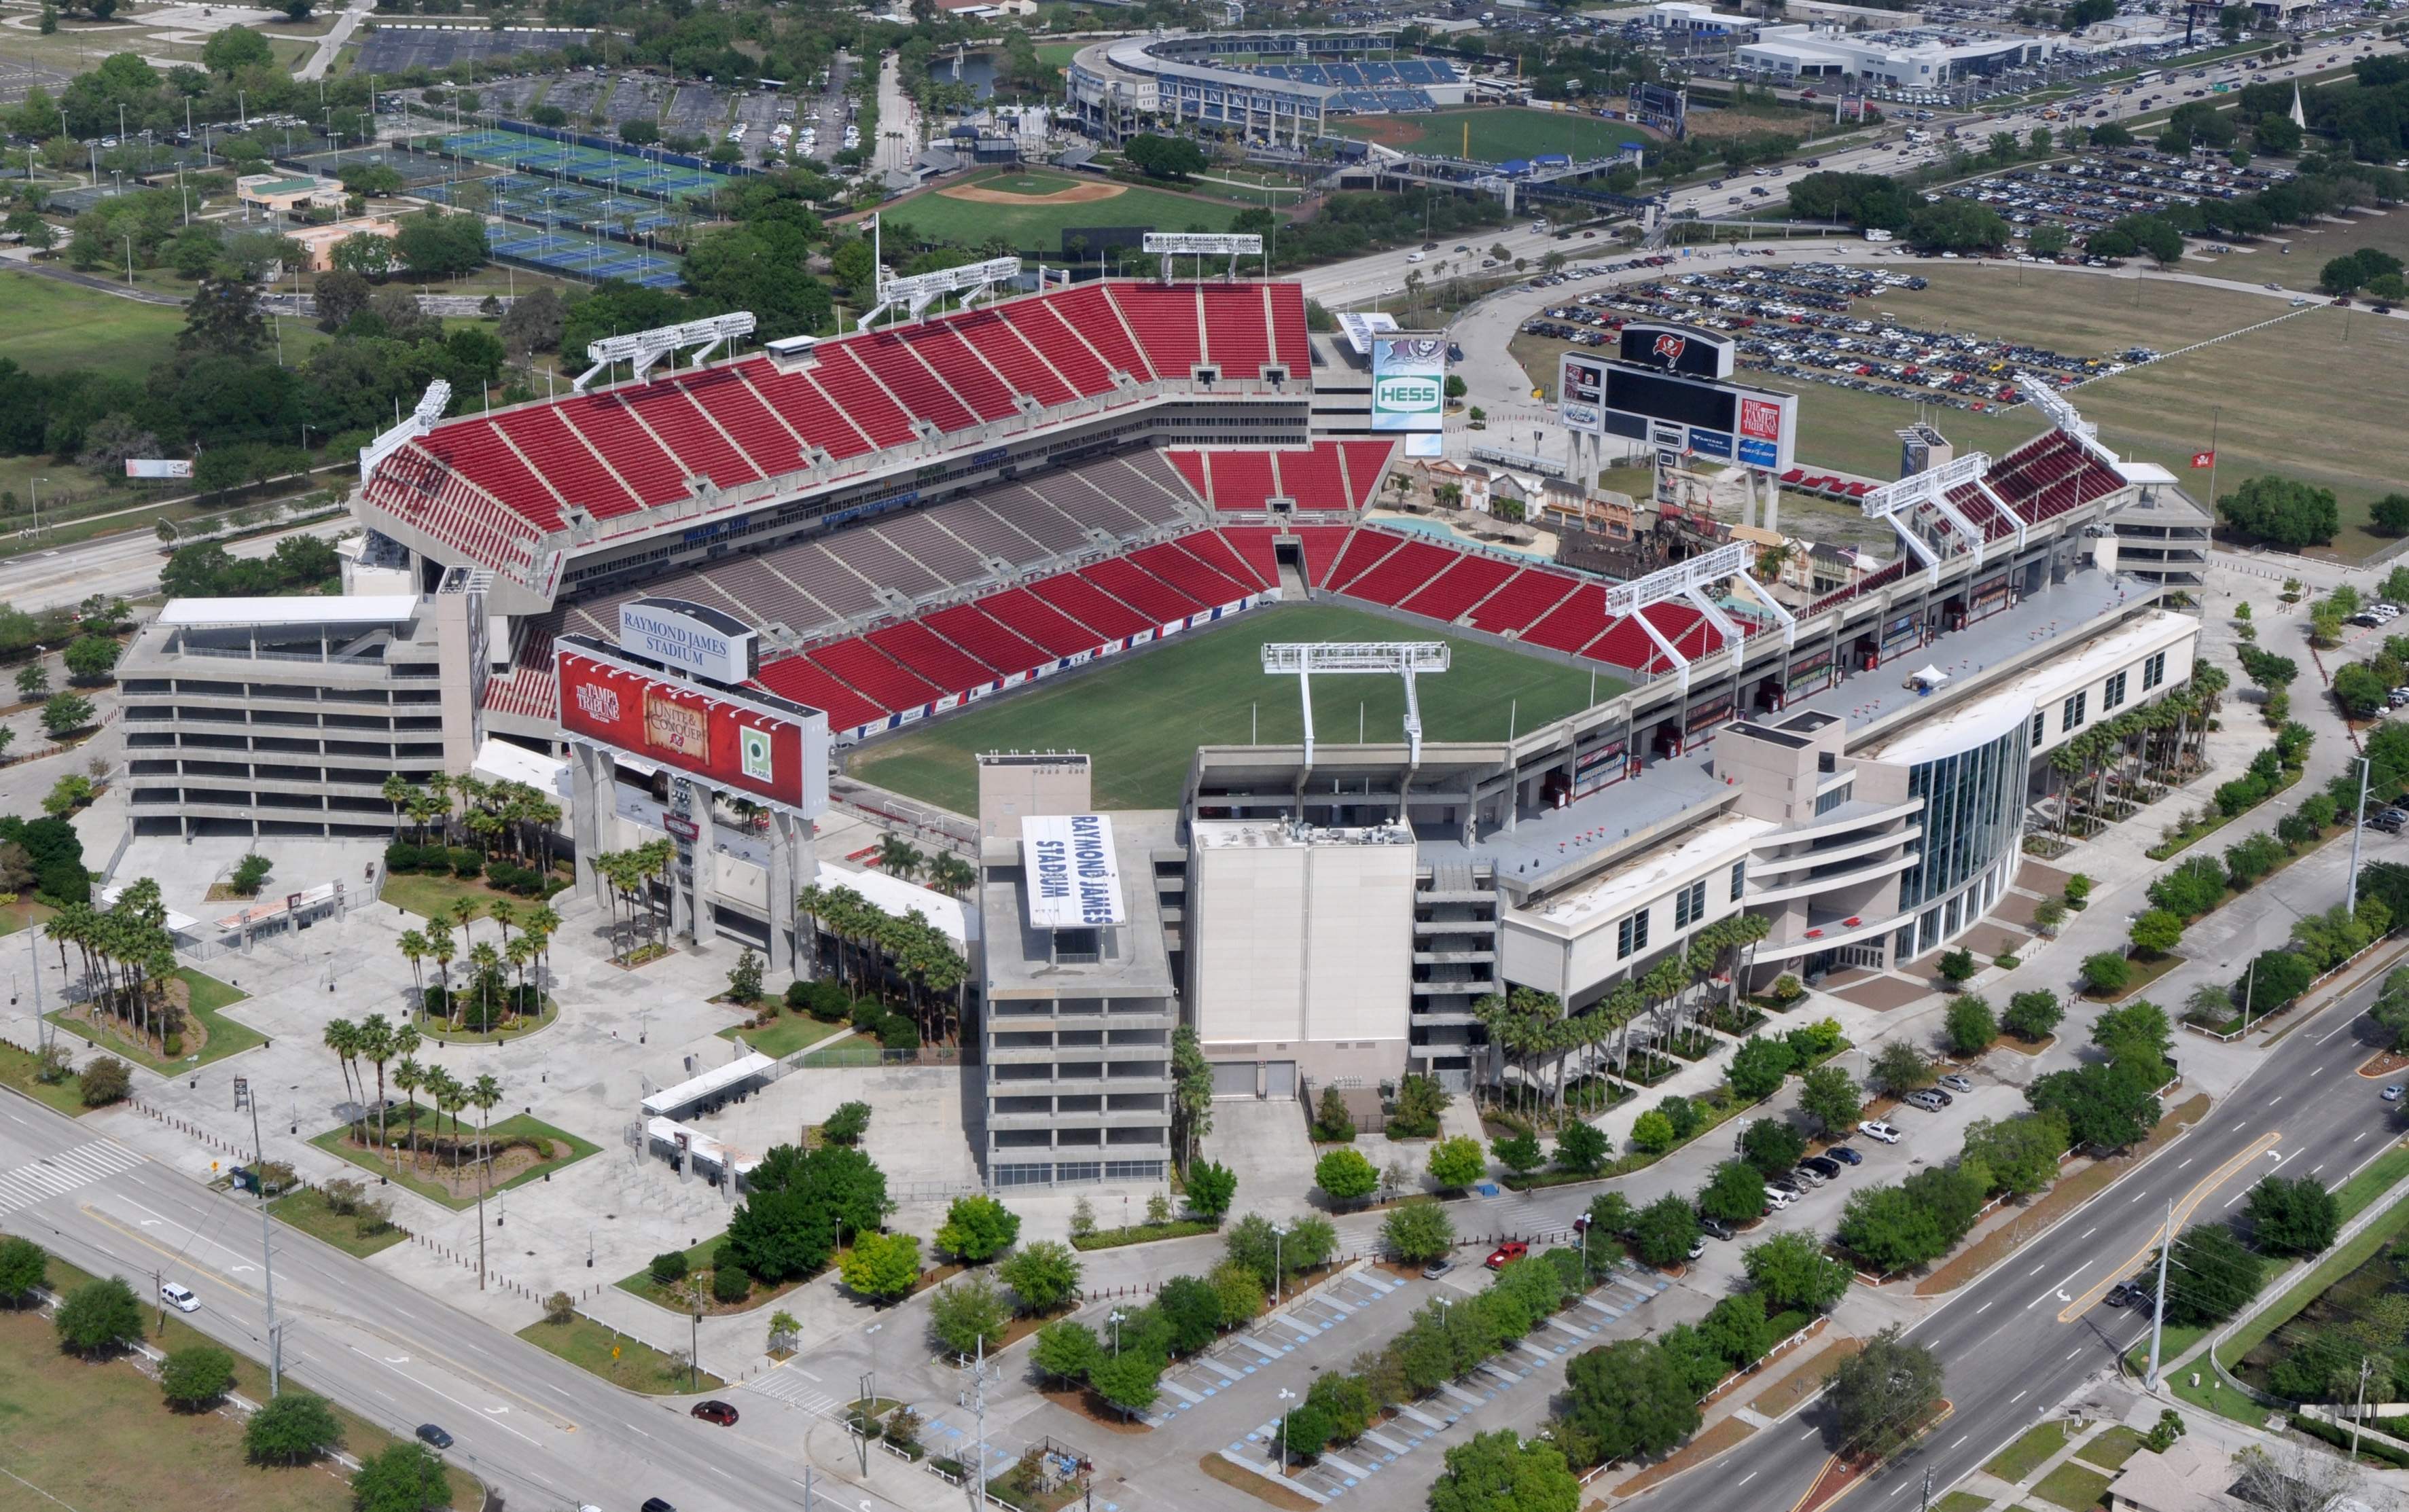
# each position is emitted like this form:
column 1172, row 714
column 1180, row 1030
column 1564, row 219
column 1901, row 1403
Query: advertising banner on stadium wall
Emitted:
column 1074, row 879
column 1410, row 390
column 753, row 746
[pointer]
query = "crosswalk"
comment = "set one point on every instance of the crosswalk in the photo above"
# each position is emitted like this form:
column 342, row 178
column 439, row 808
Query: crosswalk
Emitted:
column 55, row 1174
column 789, row 1384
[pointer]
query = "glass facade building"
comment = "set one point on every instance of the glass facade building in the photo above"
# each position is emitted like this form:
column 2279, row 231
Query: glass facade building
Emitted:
column 1973, row 822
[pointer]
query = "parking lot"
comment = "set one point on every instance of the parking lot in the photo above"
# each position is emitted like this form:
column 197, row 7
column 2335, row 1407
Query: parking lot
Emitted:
column 2089, row 193
column 395, row 48
column 1808, row 321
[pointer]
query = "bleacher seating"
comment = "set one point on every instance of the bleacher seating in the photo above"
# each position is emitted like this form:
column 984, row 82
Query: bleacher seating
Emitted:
column 989, row 639
column 798, row 404
column 1079, row 496
column 1237, row 334
column 553, row 450
column 1062, row 348
column 478, row 450
column 1523, row 598
column 964, row 371
column 848, row 383
column 1363, row 551
column 1573, row 624
column 1253, row 545
column 1320, row 545
column 1625, row 644
column 1190, row 468
column 1088, row 310
column 1290, row 346
column 1032, row 618
column 771, row 599
column 1456, row 590
column 1208, row 585
column 1242, row 480
column 895, row 363
column 1401, row 573
column 1082, row 600
column 1365, row 463
column 629, row 451
column 1158, row 601
column 1021, row 507
column 695, row 443
column 1692, row 634
column 807, row 683
column 922, row 536
column 1164, row 319
column 928, row 654
column 996, row 339
column 1314, row 477
column 877, row 560
column 811, row 569
column 875, row 675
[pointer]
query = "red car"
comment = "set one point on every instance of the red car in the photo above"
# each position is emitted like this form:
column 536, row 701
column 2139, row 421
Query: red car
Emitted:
column 1512, row 1249
column 716, row 1412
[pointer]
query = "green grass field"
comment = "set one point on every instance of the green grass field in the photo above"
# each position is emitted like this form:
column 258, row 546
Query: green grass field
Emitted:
column 53, row 325
column 1038, row 227
column 1498, row 132
column 1142, row 716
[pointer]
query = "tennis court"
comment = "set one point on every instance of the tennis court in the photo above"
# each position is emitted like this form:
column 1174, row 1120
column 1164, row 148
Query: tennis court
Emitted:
column 622, row 171
column 550, row 202
column 580, row 255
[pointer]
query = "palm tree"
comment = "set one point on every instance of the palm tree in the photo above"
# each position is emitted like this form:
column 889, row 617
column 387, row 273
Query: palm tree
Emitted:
column 441, row 949
column 397, row 791
column 339, row 1037
column 952, row 875
column 900, row 858
column 520, row 951
column 376, row 1046
column 463, row 910
column 543, row 924
column 484, row 964
column 504, row 914
column 410, row 1076
column 485, row 1093
column 450, row 1097
column 414, row 948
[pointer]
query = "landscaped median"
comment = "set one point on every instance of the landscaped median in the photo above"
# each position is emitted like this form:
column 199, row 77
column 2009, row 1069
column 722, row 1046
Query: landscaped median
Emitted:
column 524, row 1147
column 190, row 995
column 624, row 1362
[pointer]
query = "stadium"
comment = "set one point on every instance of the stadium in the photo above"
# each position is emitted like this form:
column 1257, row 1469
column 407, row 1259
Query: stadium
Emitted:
column 1082, row 521
column 1222, row 83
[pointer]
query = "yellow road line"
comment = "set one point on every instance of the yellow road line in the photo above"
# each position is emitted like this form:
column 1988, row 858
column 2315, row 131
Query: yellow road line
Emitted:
column 2183, row 1209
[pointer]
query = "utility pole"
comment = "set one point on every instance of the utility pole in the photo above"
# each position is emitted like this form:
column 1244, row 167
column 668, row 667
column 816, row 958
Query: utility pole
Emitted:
column 977, row 1477
column 694, row 1341
column 2360, row 1411
column 42, row 1038
column 2159, row 1303
column 2358, row 828
column 861, row 1422
column 1925, row 1503
column 266, row 1253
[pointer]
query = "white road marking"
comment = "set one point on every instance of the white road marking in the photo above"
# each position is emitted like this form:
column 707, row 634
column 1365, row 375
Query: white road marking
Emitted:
column 2019, row 1396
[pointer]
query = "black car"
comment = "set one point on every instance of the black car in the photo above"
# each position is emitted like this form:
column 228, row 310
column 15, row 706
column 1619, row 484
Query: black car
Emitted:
column 1845, row 1153
column 2128, row 1294
column 654, row 1504
column 429, row 1434
column 1828, row 1169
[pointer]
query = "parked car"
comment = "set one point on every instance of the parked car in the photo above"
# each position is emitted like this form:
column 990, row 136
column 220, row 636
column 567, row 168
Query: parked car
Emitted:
column 1698, row 1247
column 180, row 1297
column 429, row 1434
column 654, row 1504
column 2392, row 1093
column 1828, row 1169
column 715, row 1411
column 1805, row 1177
column 1927, row 1100
column 1714, row 1228
column 1845, row 1153
column 1437, row 1268
column 1957, row 1083
column 1779, row 1198
column 1505, row 1254
column 1878, row 1128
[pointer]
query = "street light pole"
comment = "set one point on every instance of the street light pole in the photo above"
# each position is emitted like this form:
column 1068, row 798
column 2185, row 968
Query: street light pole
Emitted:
column 2358, row 828
column 1279, row 1233
column 2159, row 1303
column 1280, row 1467
column 266, row 1253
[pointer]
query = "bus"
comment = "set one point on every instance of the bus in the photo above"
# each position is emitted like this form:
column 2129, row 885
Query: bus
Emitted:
column 2149, row 75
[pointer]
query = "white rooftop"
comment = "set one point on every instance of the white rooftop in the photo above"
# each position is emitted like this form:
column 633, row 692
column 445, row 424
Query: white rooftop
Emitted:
column 948, row 915
column 499, row 761
column 1964, row 725
column 718, row 1079
column 1621, row 888
column 702, row 1146
column 362, row 608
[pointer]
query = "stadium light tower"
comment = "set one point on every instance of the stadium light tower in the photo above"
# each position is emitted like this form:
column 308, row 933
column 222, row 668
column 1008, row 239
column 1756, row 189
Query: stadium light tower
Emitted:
column 1404, row 658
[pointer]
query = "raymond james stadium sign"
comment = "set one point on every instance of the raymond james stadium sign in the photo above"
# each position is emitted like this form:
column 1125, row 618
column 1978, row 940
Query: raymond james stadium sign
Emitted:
column 1074, row 878
column 689, row 637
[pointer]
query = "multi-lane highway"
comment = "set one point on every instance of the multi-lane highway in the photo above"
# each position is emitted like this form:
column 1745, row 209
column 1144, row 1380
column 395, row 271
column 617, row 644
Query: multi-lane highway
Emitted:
column 2019, row 1340
column 546, row 1434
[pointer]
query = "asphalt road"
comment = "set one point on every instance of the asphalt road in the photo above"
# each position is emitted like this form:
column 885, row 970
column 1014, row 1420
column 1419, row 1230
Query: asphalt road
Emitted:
column 2021, row 1339
column 543, row 1431
column 126, row 564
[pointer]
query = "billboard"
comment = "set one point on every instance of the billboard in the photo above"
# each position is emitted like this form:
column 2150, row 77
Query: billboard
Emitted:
column 754, row 743
column 1662, row 107
column 1678, row 349
column 1410, row 390
column 691, row 638
column 1074, row 879
column 1725, row 421
column 144, row 466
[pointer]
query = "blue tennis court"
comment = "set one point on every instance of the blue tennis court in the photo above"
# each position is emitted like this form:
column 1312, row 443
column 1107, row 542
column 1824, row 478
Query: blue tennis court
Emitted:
column 584, row 255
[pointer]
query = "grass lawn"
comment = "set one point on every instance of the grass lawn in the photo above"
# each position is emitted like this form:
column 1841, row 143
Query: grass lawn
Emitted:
column 2028, row 1454
column 1962, row 1502
column 209, row 996
column 2178, row 1338
column 93, row 1434
column 53, row 325
column 624, row 1363
column 677, row 1299
column 333, row 1142
column 2337, row 1262
column 1143, row 715
column 2072, row 1487
column 429, row 896
column 1038, row 227
column 790, row 1033
column 517, row 1029
column 16, row 1070
column 305, row 1208
column 2355, row 1194
column 1498, row 133
column 2213, row 1395
column 2110, row 1449
column 1058, row 54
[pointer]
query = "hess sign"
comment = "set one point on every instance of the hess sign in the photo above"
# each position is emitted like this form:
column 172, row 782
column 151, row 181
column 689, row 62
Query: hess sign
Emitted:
column 690, row 638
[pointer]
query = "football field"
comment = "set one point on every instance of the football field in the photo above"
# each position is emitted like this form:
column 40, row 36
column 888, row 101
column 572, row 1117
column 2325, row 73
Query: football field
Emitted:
column 1142, row 714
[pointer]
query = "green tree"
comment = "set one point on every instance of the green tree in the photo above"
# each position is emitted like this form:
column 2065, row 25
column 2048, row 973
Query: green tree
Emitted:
column 105, row 1080
column 1346, row 1174
column 1581, row 1147
column 1044, row 1274
column 2157, row 931
column 1627, row 1401
column 848, row 1123
column 964, row 1312
column 1456, row 1163
column 1792, row 1270
column 882, row 1266
column 1066, row 1350
column 2211, row 1275
column 1665, row 1230
column 234, row 48
column 1882, row 1397
column 1210, row 1188
column 2032, row 1015
column 23, row 1267
column 1130, row 1381
column 1970, row 1025
column 2392, row 514
column 2107, row 1107
column 977, row 1228
column 1900, row 1068
column 2282, row 511
column 1304, row 1431
column 1740, row 1330
column 1499, row 1471
column 2021, row 1154
column 1652, row 1132
column 2296, row 1216
column 1331, row 1122
column 197, row 1377
column 405, row 1477
column 1418, row 1232
column 90, row 659
column 1520, row 1153
column 98, row 1317
column 64, row 714
column 1733, row 1194
column 292, row 1429
column 1772, row 1146
column 1831, row 1096
column 1758, row 1067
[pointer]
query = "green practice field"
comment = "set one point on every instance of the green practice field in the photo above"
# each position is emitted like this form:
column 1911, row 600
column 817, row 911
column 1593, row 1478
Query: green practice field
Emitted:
column 1499, row 133
column 1030, row 210
column 1142, row 716
column 53, row 325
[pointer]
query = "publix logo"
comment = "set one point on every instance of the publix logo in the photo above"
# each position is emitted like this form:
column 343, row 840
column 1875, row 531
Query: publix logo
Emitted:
column 1409, row 393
